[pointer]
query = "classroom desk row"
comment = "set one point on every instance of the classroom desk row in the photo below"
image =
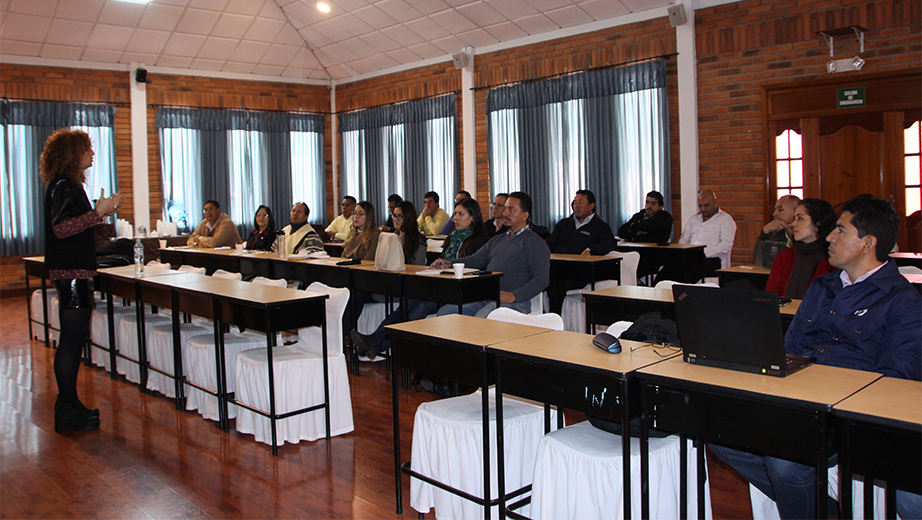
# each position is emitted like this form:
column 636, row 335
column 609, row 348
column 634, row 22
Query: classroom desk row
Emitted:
column 755, row 277
column 790, row 417
column 257, row 307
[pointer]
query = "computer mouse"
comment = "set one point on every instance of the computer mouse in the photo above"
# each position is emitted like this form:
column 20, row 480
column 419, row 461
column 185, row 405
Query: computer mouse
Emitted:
column 607, row 342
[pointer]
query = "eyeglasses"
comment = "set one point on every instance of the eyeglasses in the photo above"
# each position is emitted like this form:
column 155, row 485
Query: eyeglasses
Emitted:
column 262, row 216
column 660, row 350
column 206, row 210
column 398, row 216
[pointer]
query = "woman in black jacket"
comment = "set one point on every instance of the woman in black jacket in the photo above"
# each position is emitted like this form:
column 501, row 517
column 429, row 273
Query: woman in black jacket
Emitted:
column 70, row 256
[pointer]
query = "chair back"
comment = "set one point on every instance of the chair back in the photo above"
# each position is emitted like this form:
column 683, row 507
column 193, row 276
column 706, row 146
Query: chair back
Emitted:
column 310, row 338
column 262, row 280
column 192, row 269
column 226, row 275
column 910, row 269
column 629, row 262
column 537, row 304
column 548, row 321
column 156, row 264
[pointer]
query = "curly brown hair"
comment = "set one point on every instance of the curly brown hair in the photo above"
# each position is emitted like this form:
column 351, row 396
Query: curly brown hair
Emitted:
column 62, row 154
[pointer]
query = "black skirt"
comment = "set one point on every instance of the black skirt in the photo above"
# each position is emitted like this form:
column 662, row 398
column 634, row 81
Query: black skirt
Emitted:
column 75, row 293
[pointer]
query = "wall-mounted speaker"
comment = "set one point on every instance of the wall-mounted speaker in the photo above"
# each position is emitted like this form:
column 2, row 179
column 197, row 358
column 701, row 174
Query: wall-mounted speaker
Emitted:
column 459, row 59
column 677, row 15
column 140, row 75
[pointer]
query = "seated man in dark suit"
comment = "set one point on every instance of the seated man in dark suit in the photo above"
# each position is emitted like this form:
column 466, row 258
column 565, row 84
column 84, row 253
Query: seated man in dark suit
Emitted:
column 582, row 233
column 497, row 225
column 651, row 224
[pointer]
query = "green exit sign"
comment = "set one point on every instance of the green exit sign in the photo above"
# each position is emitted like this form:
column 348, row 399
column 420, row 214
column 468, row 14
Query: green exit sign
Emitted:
column 850, row 97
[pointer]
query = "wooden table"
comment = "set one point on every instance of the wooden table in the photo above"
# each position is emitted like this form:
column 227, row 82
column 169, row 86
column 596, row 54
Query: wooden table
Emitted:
column 35, row 266
column 566, row 369
column 587, row 269
column 628, row 302
column 674, row 253
column 754, row 274
column 788, row 417
column 455, row 347
column 881, row 438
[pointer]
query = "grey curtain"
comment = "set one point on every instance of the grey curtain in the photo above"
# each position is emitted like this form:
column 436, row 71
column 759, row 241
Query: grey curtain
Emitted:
column 26, row 127
column 603, row 130
column 218, row 174
column 410, row 144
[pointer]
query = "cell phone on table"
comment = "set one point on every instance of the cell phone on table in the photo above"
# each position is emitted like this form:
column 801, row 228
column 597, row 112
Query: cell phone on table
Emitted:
column 355, row 261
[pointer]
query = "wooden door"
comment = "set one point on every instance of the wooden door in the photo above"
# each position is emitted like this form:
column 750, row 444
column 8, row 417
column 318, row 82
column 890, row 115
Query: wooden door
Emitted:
column 850, row 163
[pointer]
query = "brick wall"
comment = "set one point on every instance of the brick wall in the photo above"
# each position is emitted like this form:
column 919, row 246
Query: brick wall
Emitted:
column 745, row 46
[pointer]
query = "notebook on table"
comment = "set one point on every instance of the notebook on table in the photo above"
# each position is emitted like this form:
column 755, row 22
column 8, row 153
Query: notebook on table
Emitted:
column 739, row 330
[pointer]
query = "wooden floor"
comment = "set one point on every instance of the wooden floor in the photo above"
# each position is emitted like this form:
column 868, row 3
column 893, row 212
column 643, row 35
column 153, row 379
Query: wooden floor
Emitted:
column 149, row 461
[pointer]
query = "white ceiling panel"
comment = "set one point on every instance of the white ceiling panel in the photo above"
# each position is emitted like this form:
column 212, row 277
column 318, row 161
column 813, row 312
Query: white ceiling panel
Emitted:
column 290, row 38
column 86, row 10
column 506, row 31
column 186, row 45
column 160, row 17
column 121, row 13
column 61, row 52
column 537, row 24
column 481, row 14
column 232, row 25
column 249, row 52
column 36, row 7
column 569, row 16
column 216, row 48
column 398, row 10
column 197, row 21
column 69, row 32
column 25, row 28
column 266, row 30
column 144, row 40
column 109, row 37
column 602, row 9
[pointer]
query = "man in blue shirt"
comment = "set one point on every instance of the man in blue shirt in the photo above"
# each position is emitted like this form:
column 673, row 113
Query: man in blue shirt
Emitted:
column 866, row 317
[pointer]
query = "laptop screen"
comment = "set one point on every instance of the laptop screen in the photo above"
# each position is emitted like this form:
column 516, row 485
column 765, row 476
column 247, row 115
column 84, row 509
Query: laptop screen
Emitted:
column 730, row 329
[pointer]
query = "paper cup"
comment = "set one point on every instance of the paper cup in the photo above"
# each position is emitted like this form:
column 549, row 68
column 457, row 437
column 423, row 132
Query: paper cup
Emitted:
column 240, row 248
column 459, row 270
column 163, row 244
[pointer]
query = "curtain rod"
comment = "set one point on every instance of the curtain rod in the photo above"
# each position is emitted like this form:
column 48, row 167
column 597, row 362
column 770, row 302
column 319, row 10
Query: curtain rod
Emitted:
column 113, row 103
column 397, row 102
column 560, row 74
column 315, row 112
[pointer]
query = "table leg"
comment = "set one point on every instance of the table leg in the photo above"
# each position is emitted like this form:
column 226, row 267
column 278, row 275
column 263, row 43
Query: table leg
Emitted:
column 326, row 373
column 645, row 457
column 683, row 483
column 110, row 308
column 396, row 411
column 485, row 410
column 142, row 337
column 500, row 443
column 178, row 383
column 626, row 450
column 220, row 367
column 822, row 461
column 845, row 472
column 46, row 326
column 702, row 475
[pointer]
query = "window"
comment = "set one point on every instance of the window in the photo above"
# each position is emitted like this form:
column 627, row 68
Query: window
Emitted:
column 408, row 148
column 26, row 126
column 912, row 145
column 603, row 130
column 242, row 159
column 789, row 164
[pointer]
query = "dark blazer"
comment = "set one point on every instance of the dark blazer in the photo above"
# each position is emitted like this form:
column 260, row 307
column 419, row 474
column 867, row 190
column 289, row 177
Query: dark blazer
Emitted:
column 654, row 229
column 595, row 235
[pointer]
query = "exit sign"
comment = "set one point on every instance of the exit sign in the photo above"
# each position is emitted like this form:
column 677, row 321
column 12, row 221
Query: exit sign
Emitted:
column 850, row 97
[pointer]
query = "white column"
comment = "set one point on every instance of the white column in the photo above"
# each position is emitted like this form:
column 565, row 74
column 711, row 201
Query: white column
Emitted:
column 139, row 171
column 334, row 131
column 467, row 128
column 688, row 113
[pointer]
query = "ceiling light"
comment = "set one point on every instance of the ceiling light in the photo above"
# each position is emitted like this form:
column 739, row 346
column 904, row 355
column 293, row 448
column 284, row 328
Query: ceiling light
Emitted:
column 322, row 7
column 137, row 1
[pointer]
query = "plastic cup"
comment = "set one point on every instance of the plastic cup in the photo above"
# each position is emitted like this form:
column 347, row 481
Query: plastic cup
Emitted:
column 459, row 270
column 163, row 244
column 239, row 249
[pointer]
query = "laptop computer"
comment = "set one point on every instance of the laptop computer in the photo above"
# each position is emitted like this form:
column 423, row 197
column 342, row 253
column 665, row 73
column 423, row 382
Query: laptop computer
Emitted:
column 739, row 330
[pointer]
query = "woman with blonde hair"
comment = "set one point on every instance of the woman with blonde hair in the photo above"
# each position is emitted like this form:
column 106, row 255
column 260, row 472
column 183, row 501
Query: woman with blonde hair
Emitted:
column 70, row 256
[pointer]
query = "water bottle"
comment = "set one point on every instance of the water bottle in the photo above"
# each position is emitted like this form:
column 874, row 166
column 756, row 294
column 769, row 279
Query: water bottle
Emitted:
column 138, row 257
column 280, row 244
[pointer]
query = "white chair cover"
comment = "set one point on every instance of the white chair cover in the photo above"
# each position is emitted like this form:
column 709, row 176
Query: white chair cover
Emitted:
column 160, row 353
column 99, row 331
column 448, row 446
column 574, row 308
column 54, row 319
column 616, row 328
column 904, row 269
column 200, row 362
column 298, row 381
column 578, row 475
column 764, row 508
column 38, row 331
column 548, row 321
column 537, row 303
column 372, row 315
column 226, row 275
column 667, row 284
column 192, row 269
column 127, row 340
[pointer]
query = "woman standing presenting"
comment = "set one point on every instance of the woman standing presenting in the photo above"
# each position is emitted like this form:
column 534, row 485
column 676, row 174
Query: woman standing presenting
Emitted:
column 70, row 256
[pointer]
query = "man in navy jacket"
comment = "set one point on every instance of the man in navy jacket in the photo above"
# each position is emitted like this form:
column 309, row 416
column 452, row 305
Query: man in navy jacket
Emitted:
column 582, row 233
column 866, row 317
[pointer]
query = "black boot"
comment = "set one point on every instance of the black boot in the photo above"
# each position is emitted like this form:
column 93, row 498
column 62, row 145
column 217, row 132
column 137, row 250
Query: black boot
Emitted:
column 67, row 416
column 89, row 412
